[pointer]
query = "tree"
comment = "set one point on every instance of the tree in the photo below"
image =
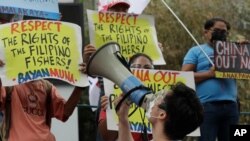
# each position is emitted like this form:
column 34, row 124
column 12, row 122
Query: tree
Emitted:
column 193, row 13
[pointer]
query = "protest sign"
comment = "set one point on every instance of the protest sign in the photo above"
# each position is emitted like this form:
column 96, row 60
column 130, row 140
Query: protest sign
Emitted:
column 232, row 60
column 47, row 9
column 154, row 79
column 35, row 49
column 133, row 33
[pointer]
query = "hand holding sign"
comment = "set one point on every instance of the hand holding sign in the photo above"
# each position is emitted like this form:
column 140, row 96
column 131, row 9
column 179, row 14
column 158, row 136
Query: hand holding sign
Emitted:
column 232, row 60
column 88, row 51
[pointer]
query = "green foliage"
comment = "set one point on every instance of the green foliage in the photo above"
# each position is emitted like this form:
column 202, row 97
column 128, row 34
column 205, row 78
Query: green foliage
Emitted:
column 193, row 13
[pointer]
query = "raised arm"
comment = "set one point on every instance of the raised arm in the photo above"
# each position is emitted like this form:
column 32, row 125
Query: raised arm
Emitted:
column 124, row 133
column 87, row 52
column 72, row 102
column 74, row 97
column 106, row 134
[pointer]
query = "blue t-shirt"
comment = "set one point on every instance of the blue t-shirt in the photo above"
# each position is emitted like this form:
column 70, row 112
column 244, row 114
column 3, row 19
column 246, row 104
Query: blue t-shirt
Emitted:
column 213, row 89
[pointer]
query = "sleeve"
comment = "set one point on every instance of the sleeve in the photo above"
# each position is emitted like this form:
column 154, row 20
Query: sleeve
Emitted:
column 191, row 56
column 102, row 116
column 57, row 105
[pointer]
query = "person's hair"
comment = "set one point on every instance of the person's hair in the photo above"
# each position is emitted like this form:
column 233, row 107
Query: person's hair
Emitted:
column 210, row 23
column 115, row 3
column 120, row 5
column 135, row 56
column 184, row 111
column 6, row 17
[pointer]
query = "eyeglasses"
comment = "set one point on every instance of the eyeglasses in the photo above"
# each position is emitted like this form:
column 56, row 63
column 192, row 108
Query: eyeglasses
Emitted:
column 147, row 66
column 155, row 100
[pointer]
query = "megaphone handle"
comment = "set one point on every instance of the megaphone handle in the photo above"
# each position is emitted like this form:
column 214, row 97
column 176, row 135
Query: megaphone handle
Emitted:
column 121, row 101
column 122, row 60
column 128, row 94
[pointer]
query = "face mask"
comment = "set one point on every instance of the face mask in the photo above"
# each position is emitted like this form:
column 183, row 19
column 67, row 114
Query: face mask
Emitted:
column 219, row 34
column 153, row 100
column 149, row 109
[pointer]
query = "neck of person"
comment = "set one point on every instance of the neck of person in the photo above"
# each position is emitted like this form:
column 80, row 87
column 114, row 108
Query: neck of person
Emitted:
column 210, row 43
column 158, row 132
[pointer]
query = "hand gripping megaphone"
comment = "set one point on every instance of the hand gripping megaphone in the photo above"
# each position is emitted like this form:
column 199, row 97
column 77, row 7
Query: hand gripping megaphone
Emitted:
column 107, row 62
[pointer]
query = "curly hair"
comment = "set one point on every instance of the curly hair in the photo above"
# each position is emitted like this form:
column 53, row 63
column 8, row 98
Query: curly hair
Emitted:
column 184, row 111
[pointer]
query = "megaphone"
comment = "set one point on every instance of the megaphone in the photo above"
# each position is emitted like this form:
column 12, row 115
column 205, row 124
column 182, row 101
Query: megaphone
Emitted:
column 106, row 62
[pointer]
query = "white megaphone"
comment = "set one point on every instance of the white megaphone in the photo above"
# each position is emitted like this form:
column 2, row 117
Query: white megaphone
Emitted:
column 107, row 62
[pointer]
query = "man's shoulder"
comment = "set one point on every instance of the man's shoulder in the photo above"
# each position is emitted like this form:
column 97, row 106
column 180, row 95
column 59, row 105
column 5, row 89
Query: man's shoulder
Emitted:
column 205, row 45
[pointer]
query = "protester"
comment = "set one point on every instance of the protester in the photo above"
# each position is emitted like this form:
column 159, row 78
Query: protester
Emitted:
column 138, row 60
column 4, row 18
column 32, row 105
column 112, row 6
column 29, row 110
column 218, row 95
column 173, row 114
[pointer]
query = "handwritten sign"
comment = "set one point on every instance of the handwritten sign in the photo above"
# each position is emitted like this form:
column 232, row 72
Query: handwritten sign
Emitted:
column 36, row 49
column 154, row 79
column 132, row 32
column 47, row 9
column 232, row 60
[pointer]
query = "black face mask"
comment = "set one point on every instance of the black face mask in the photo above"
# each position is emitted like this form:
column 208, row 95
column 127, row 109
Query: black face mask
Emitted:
column 219, row 35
